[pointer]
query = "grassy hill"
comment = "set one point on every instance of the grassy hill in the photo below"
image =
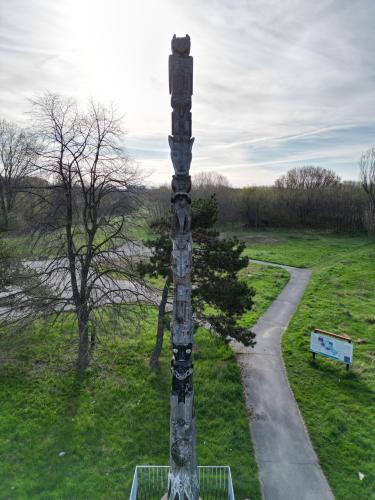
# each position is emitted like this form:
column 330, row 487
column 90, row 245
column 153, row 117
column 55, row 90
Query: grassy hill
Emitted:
column 338, row 406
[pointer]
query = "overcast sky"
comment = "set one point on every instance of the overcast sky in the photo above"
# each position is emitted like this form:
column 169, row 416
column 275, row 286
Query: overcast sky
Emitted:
column 277, row 83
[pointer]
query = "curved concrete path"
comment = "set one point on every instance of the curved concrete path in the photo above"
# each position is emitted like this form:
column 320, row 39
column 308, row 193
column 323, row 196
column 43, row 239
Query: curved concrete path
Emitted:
column 288, row 466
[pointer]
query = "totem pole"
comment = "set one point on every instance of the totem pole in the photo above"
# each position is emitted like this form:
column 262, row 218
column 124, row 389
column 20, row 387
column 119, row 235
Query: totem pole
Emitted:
column 183, row 476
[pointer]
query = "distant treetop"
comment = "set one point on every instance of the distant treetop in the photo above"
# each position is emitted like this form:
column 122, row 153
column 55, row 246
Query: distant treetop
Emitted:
column 309, row 177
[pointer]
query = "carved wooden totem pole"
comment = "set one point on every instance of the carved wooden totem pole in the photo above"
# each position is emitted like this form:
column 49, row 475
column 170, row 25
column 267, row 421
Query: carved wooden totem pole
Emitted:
column 183, row 476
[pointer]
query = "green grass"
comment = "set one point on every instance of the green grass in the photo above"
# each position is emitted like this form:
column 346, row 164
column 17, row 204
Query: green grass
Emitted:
column 298, row 248
column 338, row 407
column 24, row 246
column 32, row 246
column 268, row 282
column 118, row 416
column 115, row 418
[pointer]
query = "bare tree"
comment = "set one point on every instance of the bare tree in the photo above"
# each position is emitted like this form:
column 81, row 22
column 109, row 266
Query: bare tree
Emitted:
column 213, row 183
column 367, row 177
column 302, row 187
column 16, row 160
column 90, row 207
column 308, row 178
column 5, row 265
column 158, row 202
column 210, row 180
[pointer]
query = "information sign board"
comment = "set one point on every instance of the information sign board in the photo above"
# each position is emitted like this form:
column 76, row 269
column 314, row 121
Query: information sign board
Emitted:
column 332, row 346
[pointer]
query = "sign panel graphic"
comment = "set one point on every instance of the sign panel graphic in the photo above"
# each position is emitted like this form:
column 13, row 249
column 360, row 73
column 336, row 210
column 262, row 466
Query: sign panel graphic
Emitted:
column 340, row 350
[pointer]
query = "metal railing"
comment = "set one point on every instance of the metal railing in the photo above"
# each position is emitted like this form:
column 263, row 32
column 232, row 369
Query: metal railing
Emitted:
column 150, row 482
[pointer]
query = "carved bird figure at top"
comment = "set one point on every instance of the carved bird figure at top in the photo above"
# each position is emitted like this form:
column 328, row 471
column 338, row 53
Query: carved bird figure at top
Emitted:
column 181, row 45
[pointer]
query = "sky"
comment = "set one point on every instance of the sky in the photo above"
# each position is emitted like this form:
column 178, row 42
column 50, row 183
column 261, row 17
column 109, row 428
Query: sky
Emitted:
column 278, row 84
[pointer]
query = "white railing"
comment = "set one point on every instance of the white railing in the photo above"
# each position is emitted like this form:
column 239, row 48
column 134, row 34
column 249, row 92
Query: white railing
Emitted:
column 151, row 481
column 133, row 491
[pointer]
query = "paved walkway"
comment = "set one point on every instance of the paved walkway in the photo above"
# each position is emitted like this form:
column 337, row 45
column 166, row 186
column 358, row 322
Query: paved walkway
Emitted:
column 288, row 466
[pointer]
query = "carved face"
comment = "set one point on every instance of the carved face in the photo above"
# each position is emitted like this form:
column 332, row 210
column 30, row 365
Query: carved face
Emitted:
column 181, row 262
column 181, row 155
column 181, row 184
column 182, row 292
column 182, row 352
column 181, row 302
column 182, row 243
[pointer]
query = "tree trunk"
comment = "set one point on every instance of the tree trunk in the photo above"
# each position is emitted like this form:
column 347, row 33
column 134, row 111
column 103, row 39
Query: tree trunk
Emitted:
column 4, row 206
column 83, row 349
column 154, row 359
column 93, row 336
column 369, row 217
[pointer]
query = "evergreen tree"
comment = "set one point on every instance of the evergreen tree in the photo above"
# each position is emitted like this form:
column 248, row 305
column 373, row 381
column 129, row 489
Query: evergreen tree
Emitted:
column 219, row 297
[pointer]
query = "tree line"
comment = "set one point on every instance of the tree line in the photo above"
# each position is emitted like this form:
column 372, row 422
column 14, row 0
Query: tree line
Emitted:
column 306, row 197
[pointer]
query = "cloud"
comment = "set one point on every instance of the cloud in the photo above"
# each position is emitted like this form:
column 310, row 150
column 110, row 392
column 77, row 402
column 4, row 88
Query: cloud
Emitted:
column 276, row 84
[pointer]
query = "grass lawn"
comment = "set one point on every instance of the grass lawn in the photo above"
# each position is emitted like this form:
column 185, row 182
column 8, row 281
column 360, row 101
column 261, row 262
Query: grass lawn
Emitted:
column 32, row 246
column 118, row 416
column 268, row 282
column 338, row 407
column 115, row 418
column 298, row 248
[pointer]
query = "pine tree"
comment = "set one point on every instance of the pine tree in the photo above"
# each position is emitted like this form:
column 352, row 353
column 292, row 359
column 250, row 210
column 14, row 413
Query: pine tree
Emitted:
column 219, row 297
